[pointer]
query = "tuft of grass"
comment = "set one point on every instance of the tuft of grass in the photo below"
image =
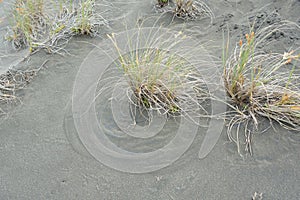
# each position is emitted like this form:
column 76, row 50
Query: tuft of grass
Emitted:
column 186, row 9
column 73, row 19
column 29, row 23
column 161, row 81
column 261, row 84
column 86, row 21
column 50, row 25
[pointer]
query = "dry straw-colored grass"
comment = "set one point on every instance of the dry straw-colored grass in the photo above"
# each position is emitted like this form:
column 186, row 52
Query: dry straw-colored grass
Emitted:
column 13, row 81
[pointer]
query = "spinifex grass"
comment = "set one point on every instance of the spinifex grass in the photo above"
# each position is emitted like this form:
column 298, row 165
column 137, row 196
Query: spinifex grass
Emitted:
column 161, row 81
column 261, row 84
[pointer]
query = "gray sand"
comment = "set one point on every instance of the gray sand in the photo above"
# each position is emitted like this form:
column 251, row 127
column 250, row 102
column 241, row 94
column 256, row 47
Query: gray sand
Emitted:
column 39, row 159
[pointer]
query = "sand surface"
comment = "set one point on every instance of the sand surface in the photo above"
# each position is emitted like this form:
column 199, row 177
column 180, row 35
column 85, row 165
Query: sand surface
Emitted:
column 41, row 157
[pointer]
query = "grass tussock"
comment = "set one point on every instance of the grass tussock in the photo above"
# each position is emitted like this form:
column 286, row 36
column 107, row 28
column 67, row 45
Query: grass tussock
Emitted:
column 29, row 23
column 186, row 9
column 38, row 24
column 161, row 81
column 261, row 84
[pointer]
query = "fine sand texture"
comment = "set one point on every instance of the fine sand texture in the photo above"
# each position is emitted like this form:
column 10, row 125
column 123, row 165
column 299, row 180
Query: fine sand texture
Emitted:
column 41, row 156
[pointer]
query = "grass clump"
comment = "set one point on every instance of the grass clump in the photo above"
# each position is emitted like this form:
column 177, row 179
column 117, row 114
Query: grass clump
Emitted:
column 29, row 23
column 73, row 19
column 161, row 81
column 189, row 9
column 80, row 19
column 38, row 24
column 261, row 84
column 154, row 81
column 83, row 24
column 186, row 9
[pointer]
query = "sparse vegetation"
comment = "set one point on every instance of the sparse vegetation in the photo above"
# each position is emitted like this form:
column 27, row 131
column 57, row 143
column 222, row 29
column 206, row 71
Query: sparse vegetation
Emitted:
column 36, row 27
column 258, row 83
